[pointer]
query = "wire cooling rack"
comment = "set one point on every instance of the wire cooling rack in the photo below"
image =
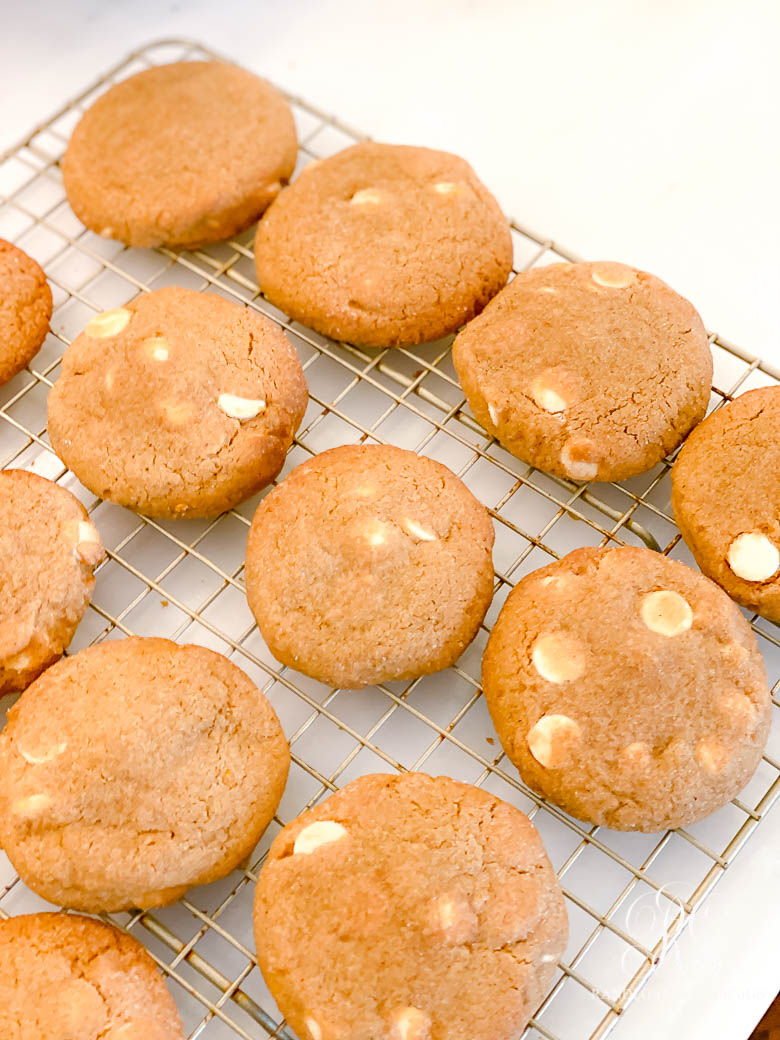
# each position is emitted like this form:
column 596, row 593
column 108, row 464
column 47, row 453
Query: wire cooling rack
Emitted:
column 628, row 895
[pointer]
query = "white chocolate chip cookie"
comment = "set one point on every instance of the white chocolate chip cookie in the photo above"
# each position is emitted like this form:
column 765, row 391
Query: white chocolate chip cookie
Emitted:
column 627, row 689
column 134, row 770
column 436, row 915
column 384, row 245
column 64, row 976
column 25, row 310
column 180, row 154
column 178, row 404
column 591, row 371
column 369, row 563
column 49, row 550
column 726, row 498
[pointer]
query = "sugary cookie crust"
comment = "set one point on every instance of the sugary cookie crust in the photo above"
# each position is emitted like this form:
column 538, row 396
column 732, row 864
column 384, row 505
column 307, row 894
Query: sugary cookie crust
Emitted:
column 627, row 689
column 369, row 563
column 49, row 549
column 25, row 310
column 135, row 770
column 590, row 371
column 64, row 976
column 180, row 154
column 726, row 499
column 426, row 910
column 178, row 404
column 384, row 245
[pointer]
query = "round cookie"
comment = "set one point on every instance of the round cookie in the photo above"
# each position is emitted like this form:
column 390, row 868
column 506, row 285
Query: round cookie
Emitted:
column 64, row 976
column 49, row 549
column 384, row 245
column 587, row 371
column 369, row 563
column 180, row 155
column 178, row 404
column 25, row 310
column 135, row 770
column 409, row 908
column 627, row 689
column 726, row 499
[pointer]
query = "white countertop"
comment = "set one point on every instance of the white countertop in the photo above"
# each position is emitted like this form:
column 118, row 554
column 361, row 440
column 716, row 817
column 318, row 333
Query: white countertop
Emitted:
column 645, row 137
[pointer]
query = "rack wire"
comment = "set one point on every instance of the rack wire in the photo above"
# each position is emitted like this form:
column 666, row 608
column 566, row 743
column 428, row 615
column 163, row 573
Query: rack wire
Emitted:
column 629, row 896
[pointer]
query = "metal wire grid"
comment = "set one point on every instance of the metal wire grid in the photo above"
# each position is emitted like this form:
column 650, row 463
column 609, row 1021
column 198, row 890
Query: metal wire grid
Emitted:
column 628, row 895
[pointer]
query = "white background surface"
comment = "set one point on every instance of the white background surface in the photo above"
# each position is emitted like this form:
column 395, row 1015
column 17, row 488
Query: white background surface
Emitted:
column 645, row 132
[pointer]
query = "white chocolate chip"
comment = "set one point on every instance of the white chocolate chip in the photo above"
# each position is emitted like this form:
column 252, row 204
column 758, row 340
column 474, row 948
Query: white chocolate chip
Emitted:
column 321, row 832
column 548, row 958
column 739, row 709
column 636, row 754
column 711, row 756
column 410, row 1023
column 32, row 805
column 89, row 547
column 366, row 196
column 447, row 188
column 577, row 458
column 453, row 916
column 418, row 532
column 313, row 1026
column 555, row 581
column 558, row 658
column 375, row 533
column 734, row 653
column 241, row 408
column 613, row 276
column 666, row 612
column 108, row 323
column 552, row 739
column 156, row 348
column 46, row 755
column 18, row 662
column 546, row 398
column 177, row 412
column 365, row 490
column 753, row 557
column 493, row 413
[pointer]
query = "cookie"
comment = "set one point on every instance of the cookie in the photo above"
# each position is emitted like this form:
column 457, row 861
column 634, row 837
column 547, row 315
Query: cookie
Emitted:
column 726, row 499
column 587, row 371
column 64, row 977
column 627, row 689
column 178, row 404
column 49, row 549
column 409, row 908
column 369, row 563
column 384, row 245
column 25, row 310
column 180, row 155
column 134, row 770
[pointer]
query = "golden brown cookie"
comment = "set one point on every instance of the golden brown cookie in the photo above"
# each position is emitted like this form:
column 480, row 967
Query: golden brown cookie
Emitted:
column 409, row 908
column 25, row 309
column 180, row 155
column 65, row 977
column 726, row 499
column 384, row 245
column 627, row 689
column 369, row 563
column 179, row 404
column 49, row 549
column 588, row 371
column 134, row 770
